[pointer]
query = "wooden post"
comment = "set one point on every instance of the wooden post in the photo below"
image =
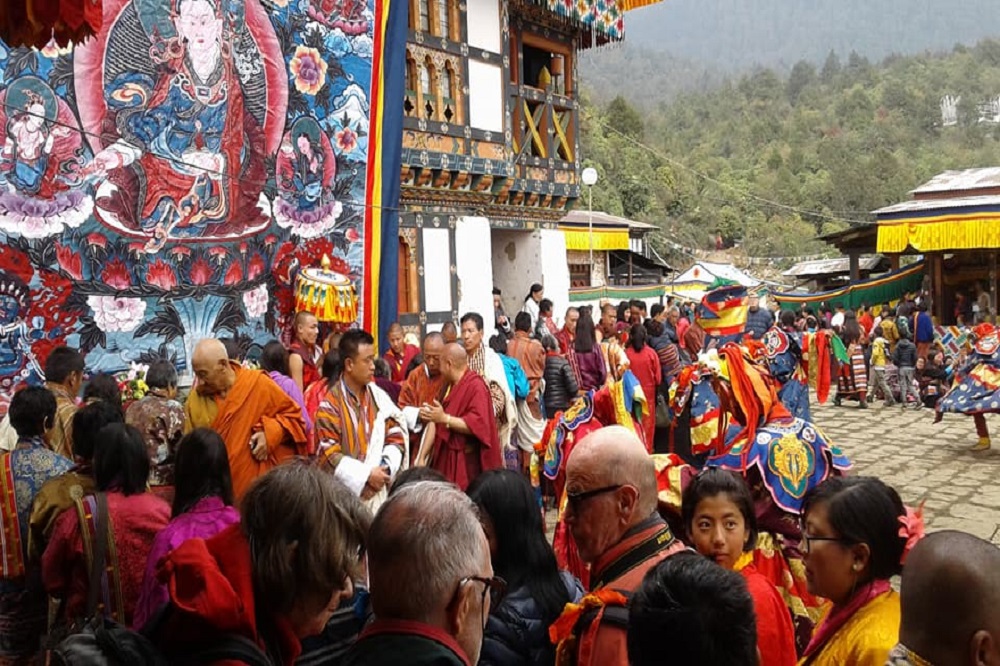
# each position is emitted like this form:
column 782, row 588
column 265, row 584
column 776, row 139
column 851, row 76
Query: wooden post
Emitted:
column 894, row 262
column 855, row 267
column 991, row 317
column 630, row 267
column 936, row 272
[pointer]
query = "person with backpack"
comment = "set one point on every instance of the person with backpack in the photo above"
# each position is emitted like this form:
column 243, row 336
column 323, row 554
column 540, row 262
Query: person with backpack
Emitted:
column 611, row 500
column 122, row 514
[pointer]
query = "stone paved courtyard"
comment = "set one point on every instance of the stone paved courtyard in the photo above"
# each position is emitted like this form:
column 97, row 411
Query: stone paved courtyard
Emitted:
column 923, row 461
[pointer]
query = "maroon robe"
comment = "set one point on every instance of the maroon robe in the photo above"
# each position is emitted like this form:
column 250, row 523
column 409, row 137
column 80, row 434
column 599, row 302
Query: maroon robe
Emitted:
column 461, row 458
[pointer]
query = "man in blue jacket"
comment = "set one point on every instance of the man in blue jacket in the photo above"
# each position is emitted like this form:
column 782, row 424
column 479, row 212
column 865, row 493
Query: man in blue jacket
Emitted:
column 923, row 331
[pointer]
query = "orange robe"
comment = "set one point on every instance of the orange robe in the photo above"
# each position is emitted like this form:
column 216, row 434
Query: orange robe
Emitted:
column 420, row 388
column 253, row 403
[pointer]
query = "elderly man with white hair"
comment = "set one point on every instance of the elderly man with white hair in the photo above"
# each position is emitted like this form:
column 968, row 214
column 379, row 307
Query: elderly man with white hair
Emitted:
column 431, row 580
column 611, row 495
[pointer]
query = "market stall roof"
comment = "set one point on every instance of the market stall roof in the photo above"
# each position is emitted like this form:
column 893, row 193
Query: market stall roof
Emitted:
column 861, row 238
column 707, row 272
column 980, row 181
column 805, row 270
column 602, row 219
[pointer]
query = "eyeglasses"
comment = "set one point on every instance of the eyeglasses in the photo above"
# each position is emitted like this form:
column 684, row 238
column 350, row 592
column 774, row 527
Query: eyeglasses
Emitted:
column 496, row 587
column 578, row 498
column 807, row 541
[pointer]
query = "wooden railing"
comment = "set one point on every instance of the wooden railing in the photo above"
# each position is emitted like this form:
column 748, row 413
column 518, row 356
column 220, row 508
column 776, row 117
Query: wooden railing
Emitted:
column 544, row 126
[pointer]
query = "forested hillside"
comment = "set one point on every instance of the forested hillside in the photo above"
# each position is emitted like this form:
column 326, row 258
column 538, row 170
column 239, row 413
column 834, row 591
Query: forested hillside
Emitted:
column 733, row 35
column 825, row 145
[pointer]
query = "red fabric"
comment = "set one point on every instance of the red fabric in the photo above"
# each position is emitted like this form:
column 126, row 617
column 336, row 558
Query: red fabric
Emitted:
column 399, row 363
column 566, row 340
column 645, row 365
column 775, row 633
column 313, row 396
column 310, row 373
column 136, row 521
column 461, row 458
column 866, row 321
column 211, row 586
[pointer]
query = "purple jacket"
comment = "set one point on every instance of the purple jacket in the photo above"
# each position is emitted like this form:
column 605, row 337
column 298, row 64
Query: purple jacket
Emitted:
column 288, row 385
column 593, row 372
column 207, row 517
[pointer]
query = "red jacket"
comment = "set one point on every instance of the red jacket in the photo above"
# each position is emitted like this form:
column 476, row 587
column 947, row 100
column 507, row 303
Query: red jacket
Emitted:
column 211, row 588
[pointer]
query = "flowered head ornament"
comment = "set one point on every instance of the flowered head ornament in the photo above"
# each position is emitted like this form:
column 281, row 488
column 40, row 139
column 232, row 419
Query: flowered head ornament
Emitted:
column 912, row 529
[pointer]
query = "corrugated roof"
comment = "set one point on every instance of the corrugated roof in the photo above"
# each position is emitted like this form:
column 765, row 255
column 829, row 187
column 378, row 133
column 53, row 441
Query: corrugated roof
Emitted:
column 604, row 220
column 833, row 266
column 935, row 204
column 958, row 180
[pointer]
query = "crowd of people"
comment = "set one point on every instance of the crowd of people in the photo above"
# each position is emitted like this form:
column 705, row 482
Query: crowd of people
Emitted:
column 324, row 504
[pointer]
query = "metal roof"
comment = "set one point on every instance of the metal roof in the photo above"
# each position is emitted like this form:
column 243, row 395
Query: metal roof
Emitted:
column 696, row 273
column 915, row 206
column 959, row 180
column 602, row 219
column 833, row 266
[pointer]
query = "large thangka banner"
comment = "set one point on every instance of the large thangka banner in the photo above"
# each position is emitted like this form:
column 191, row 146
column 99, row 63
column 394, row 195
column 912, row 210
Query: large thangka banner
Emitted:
column 164, row 181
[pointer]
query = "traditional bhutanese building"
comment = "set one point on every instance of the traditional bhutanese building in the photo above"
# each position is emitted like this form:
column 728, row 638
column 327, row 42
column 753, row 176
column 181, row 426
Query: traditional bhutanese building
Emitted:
column 954, row 221
column 490, row 161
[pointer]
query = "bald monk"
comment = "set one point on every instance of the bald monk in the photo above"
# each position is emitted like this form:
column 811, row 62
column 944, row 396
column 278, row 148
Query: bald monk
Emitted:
column 450, row 332
column 399, row 355
column 261, row 425
column 950, row 603
column 466, row 442
column 423, row 386
column 304, row 354
column 611, row 495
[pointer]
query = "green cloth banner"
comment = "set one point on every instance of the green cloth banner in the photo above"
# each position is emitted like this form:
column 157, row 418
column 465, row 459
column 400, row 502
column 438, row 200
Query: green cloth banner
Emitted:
column 886, row 288
column 615, row 293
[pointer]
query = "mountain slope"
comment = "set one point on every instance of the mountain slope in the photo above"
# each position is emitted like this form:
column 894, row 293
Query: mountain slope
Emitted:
column 734, row 35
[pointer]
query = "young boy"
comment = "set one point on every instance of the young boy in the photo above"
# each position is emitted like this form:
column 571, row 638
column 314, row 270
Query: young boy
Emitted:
column 905, row 358
column 880, row 358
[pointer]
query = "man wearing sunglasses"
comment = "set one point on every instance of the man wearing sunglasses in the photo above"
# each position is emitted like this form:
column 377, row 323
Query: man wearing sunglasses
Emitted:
column 611, row 497
column 431, row 581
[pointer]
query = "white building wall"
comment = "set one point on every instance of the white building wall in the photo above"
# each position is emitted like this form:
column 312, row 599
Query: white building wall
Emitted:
column 474, row 268
column 486, row 106
column 517, row 264
column 437, row 272
column 555, row 271
column 484, row 25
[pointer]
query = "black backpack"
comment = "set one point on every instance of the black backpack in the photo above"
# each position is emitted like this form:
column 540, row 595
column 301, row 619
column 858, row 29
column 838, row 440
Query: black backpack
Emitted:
column 107, row 643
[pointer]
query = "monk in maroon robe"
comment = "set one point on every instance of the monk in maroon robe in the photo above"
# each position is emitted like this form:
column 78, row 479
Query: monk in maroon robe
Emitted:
column 466, row 441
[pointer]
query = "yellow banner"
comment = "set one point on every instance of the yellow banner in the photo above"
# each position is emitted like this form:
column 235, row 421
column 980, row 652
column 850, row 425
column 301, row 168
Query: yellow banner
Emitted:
column 603, row 239
column 951, row 232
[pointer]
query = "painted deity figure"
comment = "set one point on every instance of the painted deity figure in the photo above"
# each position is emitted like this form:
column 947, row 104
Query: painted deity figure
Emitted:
column 193, row 147
column 15, row 336
column 28, row 146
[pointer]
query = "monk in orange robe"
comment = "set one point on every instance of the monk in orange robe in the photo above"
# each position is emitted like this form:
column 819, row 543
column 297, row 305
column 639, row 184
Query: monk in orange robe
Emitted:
column 466, row 441
column 261, row 426
column 422, row 387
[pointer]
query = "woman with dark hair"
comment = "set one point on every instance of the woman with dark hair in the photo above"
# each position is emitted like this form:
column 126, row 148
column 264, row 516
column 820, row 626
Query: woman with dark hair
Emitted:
column 645, row 365
column 589, row 359
column 532, row 301
column 517, row 630
column 160, row 419
column 383, row 379
column 317, row 391
column 130, row 518
column 624, row 312
column 718, row 513
column 203, row 507
column 854, row 539
column 102, row 386
column 852, row 383
column 274, row 361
